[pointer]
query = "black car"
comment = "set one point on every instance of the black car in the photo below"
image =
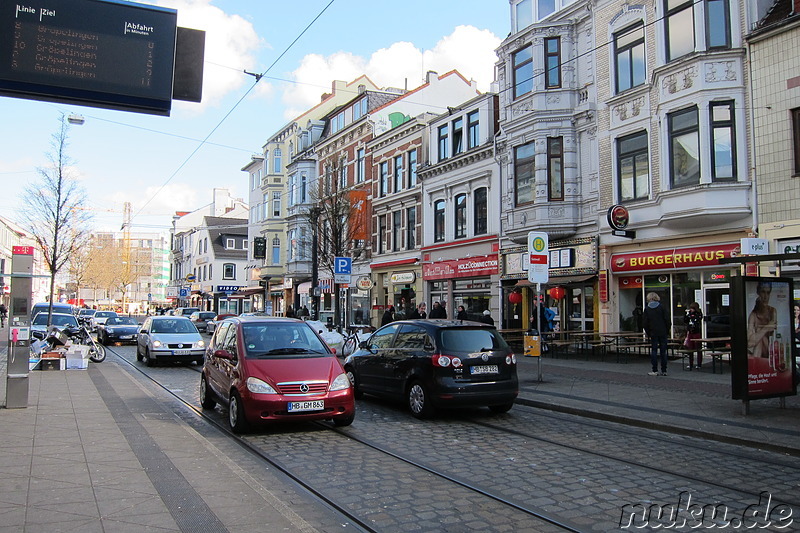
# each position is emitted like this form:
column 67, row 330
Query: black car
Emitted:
column 435, row 364
column 118, row 329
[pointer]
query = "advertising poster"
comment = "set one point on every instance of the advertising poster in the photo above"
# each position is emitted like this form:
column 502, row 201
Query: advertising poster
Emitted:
column 769, row 337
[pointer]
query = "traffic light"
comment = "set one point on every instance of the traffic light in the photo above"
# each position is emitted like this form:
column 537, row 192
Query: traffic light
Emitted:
column 259, row 247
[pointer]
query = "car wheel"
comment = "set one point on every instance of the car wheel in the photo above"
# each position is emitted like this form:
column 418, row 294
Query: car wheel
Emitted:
column 419, row 400
column 149, row 361
column 138, row 353
column 236, row 414
column 502, row 408
column 206, row 396
column 357, row 394
column 344, row 421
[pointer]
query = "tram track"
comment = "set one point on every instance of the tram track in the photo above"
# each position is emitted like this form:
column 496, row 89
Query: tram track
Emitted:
column 550, row 521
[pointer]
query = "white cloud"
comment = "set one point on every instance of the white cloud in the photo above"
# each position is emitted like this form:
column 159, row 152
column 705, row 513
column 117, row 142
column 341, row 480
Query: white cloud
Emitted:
column 172, row 197
column 230, row 47
column 468, row 50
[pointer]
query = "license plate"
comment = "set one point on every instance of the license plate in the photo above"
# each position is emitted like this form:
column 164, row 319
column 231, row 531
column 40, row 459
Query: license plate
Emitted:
column 126, row 337
column 181, row 352
column 314, row 405
column 483, row 369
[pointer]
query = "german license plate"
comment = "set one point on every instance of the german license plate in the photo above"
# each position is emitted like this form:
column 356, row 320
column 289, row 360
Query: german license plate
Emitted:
column 126, row 337
column 313, row 405
column 181, row 352
column 483, row 369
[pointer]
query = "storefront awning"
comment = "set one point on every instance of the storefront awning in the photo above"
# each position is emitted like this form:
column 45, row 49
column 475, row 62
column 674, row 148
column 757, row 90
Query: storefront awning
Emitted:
column 244, row 293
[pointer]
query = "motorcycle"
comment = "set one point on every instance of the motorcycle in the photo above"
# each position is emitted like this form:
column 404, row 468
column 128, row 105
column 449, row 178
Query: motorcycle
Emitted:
column 79, row 335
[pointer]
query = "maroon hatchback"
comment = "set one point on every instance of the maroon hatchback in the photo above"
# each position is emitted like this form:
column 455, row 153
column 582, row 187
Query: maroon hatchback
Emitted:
column 274, row 369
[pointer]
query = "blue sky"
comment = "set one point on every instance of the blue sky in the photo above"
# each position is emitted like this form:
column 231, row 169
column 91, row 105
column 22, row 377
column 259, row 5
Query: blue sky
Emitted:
column 148, row 160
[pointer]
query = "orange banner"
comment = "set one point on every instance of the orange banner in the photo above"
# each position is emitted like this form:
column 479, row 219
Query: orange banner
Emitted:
column 358, row 215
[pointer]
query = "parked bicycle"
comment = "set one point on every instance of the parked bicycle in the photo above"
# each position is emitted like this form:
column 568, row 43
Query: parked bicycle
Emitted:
column 352, row 340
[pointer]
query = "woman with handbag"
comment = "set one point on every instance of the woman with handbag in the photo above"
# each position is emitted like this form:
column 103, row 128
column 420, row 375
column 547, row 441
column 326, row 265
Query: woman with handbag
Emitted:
column 693, row 318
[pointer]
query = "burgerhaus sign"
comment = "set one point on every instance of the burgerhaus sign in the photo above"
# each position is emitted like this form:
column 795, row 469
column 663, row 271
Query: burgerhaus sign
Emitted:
column 674, row 258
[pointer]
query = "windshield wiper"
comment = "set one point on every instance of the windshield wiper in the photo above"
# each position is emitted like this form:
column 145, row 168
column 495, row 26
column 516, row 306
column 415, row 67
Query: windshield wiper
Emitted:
column 291, row 350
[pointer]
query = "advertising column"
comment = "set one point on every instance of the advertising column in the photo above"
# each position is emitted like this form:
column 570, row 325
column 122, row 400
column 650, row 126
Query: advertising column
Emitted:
column 19, row 327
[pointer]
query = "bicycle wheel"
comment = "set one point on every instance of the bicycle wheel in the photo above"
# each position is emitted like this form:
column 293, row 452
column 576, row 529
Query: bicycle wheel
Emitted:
column 349, row 346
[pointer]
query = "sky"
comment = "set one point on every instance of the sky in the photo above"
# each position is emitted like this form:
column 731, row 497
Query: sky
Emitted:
column 161, row 164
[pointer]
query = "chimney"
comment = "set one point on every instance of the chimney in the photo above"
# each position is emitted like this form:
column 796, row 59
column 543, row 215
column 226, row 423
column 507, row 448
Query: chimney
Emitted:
column 362, row 89
column 431, row 76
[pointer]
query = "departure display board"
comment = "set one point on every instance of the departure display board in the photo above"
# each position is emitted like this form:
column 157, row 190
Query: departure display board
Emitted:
column 101, row 53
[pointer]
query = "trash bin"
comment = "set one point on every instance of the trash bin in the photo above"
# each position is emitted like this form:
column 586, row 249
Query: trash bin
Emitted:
column 533, row 343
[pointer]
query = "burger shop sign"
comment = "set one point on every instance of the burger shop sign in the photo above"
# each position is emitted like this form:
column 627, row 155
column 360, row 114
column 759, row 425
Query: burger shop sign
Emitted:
column 486, row 265
column 674, row 258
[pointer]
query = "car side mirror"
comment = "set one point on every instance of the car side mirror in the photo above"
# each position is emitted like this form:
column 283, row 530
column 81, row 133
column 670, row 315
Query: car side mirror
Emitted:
column 142, row 331
column 222, row 354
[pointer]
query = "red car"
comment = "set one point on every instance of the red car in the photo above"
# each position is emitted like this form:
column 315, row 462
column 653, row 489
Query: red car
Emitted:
column 268, row 369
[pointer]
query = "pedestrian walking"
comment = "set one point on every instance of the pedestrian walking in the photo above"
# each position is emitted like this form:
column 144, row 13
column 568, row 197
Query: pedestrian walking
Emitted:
column 655, row 320
column 388, row 316
column 486, row 318
column 418, row 312
column 693, row 318
column 438, row 311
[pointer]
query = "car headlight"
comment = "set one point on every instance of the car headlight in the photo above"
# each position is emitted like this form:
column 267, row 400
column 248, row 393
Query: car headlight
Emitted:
column 109, row 330
column 340, row 383
column 156, row 344
column 201, row 344
column 258, row 386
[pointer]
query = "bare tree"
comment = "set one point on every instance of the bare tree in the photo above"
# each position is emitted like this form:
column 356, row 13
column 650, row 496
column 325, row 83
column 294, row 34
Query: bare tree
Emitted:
column 54, row 208
column 78, row 268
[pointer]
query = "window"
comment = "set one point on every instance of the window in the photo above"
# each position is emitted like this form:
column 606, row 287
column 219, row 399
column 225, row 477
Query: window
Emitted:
column 412, row 169
column 473, row 130
column 718, row 24
column 411, row 228
column 723, row 141
column 460, row 217
column 396, row 230
column 632, row 167
column 359, row 109
column 381, row 234
column 443, row 142
column 679, row 28
column 210, row 275
column 276, row 204
column 398, row 173
column 523, row 173
column 228, row 271
column 458, row 136
column 796, row 139
column 292, row 190
column 684, row 147
column 552, row 62
column 230, row 244
column 277, row 165
column 555, row 168
column 276, row 251
column 360, row 165
column 523, row 14
column 384, row 182
column 303, row 188
column 337, row 122
column 546, row 7
column 264, row 206
column 343, row 174
column 438, row 221
column 629, row 59
column 523, row 71
column 481, row 215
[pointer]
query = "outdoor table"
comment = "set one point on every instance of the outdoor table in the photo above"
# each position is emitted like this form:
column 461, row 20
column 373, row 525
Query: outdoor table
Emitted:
column 618, row 336
column 715, row 353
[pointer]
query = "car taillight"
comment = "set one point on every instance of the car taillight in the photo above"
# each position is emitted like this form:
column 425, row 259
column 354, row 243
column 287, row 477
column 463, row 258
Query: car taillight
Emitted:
column 443, row 361
column 511, row 359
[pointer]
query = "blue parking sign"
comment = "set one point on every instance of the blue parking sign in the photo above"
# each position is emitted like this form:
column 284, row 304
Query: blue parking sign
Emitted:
column 342, row 265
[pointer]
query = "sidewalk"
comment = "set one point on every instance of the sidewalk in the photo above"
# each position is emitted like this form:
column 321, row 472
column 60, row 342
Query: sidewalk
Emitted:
column 96, row 450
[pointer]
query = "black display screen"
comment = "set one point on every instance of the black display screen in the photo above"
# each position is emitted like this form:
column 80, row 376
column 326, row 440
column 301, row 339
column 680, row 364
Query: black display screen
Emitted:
column 101, row 53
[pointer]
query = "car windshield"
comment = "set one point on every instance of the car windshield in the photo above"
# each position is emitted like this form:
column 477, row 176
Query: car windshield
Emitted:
column 280, row 339
column 101, row 314
column 86, row 312
column 173, row 326
column 206, row 316
column 58, row 320
column 471, row 340
column 121, row 321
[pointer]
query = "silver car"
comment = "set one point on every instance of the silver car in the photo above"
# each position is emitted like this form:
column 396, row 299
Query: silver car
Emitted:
column 169, row 339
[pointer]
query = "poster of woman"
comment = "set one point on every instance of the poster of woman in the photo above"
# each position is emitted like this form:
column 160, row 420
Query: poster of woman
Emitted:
column 770, row 337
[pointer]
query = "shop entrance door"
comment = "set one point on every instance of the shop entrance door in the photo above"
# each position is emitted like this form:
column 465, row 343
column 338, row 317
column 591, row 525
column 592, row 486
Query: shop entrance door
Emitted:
column 716, row 310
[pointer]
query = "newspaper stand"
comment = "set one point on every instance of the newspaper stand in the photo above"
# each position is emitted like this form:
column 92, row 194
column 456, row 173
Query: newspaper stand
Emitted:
column 533, row 348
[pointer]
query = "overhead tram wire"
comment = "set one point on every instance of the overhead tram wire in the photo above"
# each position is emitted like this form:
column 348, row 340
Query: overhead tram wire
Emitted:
column 225, row 117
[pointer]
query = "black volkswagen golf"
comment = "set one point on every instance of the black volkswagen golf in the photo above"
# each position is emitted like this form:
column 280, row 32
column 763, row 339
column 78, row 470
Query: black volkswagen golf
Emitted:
column 436, row 363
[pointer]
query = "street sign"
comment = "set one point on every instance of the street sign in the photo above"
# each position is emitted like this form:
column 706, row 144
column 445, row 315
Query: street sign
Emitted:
column 191, row 278
column 538, row 252
column 184, row 292
column 342, row 269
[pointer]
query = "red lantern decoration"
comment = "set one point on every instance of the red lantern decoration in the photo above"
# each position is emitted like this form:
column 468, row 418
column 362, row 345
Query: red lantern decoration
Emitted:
column 515, row 298
column 557, row 292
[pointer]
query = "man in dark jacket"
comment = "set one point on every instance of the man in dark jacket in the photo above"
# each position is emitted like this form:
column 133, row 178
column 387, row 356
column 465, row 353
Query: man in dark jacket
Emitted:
column 388, row 316
column 437, row 311
column 656, row 325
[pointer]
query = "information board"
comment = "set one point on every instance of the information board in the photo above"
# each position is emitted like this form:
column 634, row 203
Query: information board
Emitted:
column 117, row 55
